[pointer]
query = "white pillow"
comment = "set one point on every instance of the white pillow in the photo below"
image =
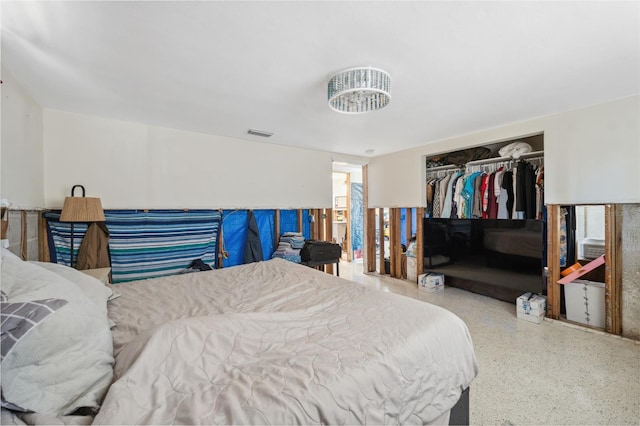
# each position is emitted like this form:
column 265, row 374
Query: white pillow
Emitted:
column 92, row 287
column 8, row 253
column 67, row 361
column 515, row 149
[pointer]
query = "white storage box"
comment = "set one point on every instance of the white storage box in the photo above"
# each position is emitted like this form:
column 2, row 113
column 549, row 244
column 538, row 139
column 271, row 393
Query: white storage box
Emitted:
column 531, row 307
column 431, row 281
column 412, row 269
column 584, row 302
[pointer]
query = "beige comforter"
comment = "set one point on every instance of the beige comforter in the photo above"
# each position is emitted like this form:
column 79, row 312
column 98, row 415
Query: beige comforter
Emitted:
column 278, row 343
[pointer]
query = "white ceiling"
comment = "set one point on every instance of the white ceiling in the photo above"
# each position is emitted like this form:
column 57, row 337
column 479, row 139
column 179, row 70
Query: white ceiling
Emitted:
column 224, row 67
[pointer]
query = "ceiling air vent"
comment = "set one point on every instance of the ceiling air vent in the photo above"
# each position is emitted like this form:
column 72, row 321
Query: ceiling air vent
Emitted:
column 262, row 133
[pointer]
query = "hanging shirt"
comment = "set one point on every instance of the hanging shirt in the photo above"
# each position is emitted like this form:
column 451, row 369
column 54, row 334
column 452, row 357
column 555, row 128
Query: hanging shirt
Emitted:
column 467, row 194
column 484, row 189
column 444, row 185
column 478, row 195
column 457, row 197
column 448, row 198
column 436, row 200
column 514, row 195
column 539, row 192
column 430, row 189
column 505, row 199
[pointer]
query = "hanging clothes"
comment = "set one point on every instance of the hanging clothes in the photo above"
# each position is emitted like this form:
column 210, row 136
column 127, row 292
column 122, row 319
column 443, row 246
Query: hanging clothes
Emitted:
column 252, row 246
column 448, row 200
column 539, row 192
column 94, row 249
column 485, row 194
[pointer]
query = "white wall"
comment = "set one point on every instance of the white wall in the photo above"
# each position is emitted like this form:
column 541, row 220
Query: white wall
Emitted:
column 591, row 156
column 22, row 158
column 131, row 165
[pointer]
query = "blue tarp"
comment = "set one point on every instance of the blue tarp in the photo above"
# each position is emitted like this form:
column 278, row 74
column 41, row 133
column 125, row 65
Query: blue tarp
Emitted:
column 404, row 238
column 234, row 228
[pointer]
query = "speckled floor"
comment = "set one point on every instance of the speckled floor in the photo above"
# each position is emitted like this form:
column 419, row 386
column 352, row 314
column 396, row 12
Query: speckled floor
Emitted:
column 551, row 373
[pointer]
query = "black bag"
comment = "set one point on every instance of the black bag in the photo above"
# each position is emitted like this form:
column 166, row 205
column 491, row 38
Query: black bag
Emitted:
column 320, row 251
column 197, row 265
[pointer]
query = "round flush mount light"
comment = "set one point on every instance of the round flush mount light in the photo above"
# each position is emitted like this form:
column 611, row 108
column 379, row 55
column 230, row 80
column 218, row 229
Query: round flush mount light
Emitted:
column 359, row 90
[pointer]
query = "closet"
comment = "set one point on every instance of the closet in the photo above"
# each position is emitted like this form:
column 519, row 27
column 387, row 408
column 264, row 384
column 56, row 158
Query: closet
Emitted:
column 484, row 223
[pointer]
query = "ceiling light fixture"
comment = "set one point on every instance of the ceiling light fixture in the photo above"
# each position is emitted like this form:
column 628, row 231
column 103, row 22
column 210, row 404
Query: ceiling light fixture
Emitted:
column 359, row 90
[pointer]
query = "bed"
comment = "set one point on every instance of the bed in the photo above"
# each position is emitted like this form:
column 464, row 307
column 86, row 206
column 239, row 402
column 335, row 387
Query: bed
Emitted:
column 268, row 342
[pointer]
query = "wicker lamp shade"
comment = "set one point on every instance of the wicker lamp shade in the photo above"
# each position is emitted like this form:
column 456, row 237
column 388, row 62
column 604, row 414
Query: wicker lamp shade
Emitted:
column 82, row 209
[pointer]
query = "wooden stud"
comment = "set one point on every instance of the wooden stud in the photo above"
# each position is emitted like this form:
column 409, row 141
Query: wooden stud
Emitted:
column 220, row 264
column 329, row 235
column 381, row 239
column 23, row 237
column 394, row 242
column 276, row 228
column 370, row 240
column 392, row 247
column 43, row 240
column 397, row 253
column 349, row 218
column 300, row 224
column 419, row 239
column 613, row 269
column 369, row 225
column 319, row 224
column 553, row 261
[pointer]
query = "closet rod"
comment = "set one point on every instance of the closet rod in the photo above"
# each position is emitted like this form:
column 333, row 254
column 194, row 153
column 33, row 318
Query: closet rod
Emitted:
column 447, row 167
column 530, row 155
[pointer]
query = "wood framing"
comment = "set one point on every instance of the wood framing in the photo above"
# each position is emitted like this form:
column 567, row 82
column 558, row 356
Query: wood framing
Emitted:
column 613, row 266
column 43, row 241
column 328, row 234
column 381, row 240
column 369, row 225
column 420, row 239
column 300, row 223
column 23, row 235
column 394, row 239
column 613, row 269
column 370, row 240
column 276, row 227
column 553, row 261
column 348, row 215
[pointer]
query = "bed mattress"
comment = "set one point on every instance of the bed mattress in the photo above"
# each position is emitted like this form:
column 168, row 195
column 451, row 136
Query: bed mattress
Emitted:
column 277, row 342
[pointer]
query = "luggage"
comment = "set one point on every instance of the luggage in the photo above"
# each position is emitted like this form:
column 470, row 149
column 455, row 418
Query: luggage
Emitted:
column 320, row 251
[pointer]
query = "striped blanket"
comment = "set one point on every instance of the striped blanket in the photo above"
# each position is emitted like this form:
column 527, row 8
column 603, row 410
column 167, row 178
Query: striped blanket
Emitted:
column 144, row 244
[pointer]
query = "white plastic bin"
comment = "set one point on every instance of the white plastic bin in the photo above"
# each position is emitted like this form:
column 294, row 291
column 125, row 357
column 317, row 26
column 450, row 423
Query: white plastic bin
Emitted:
column 584, row 302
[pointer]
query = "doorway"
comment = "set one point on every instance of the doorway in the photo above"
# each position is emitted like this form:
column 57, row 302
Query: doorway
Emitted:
column 348, row 212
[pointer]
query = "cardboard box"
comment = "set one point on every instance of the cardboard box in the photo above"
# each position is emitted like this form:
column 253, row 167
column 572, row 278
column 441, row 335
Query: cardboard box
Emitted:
column 531, row 307
column 584, row 302
column 431, row 281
